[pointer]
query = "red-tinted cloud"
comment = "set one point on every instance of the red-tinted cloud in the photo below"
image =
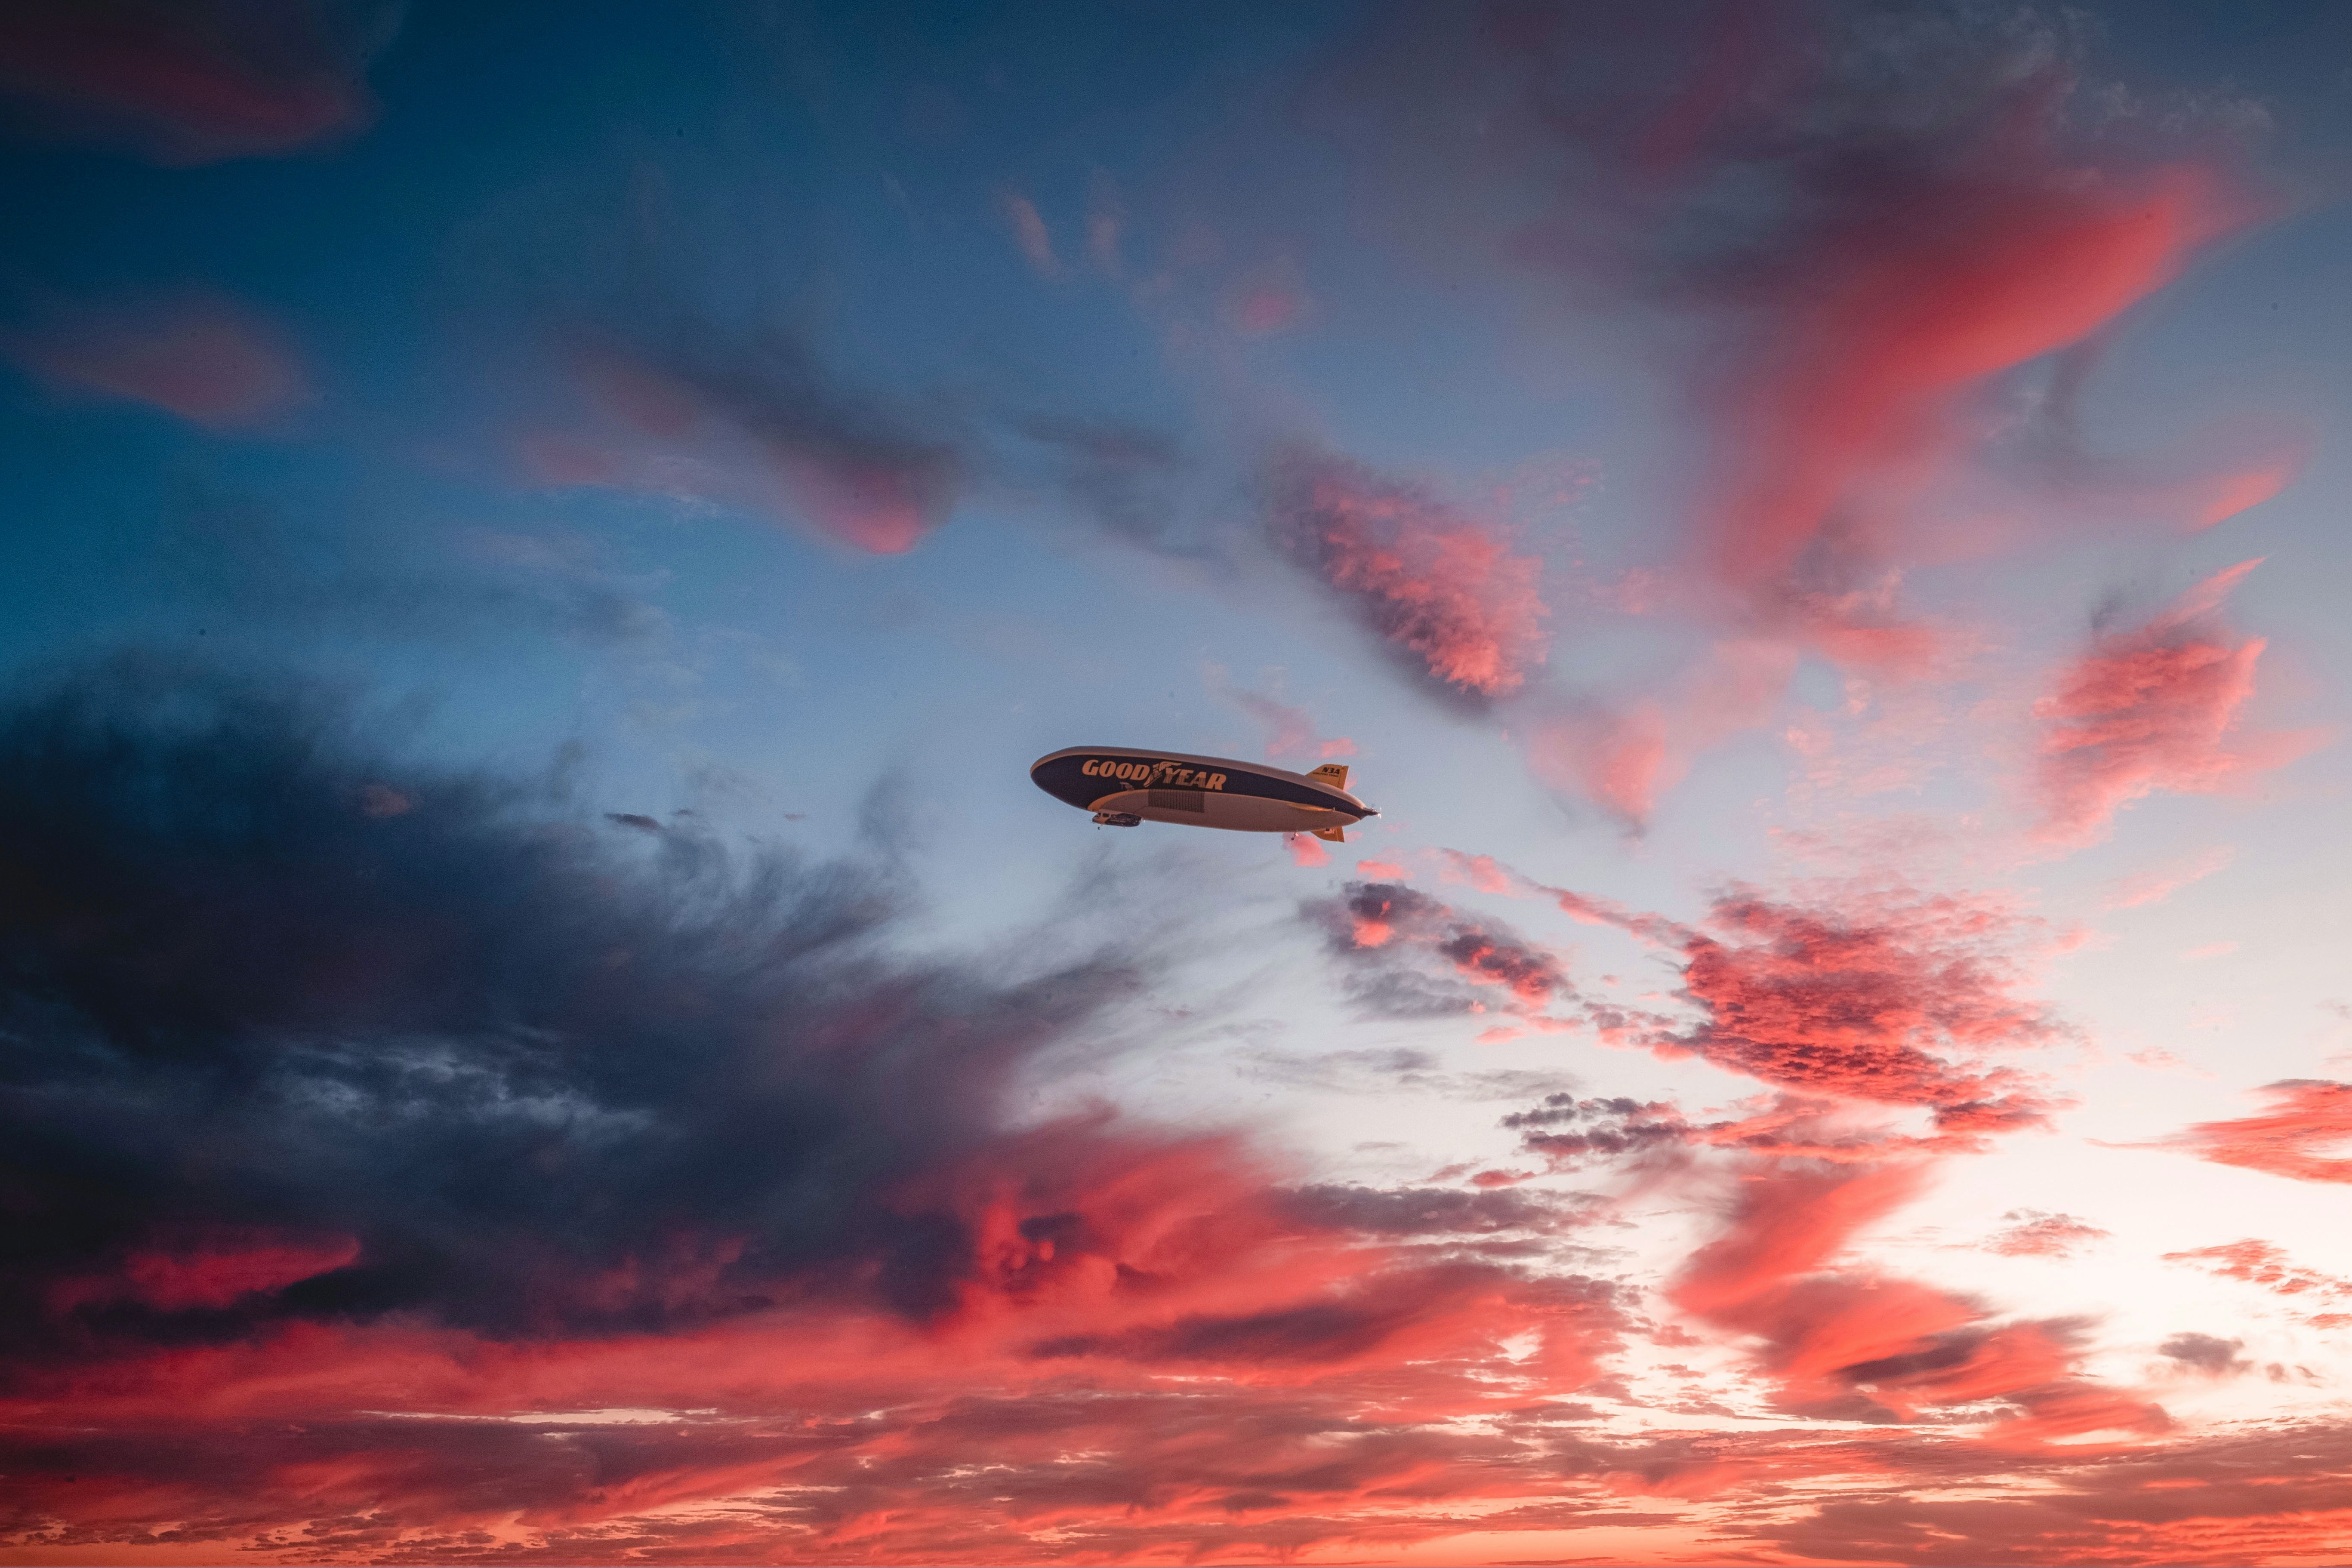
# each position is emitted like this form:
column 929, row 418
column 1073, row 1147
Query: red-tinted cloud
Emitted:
column 1149, row 1343
column 2266, row 1265
column 1857, row 372
column 1874, row 1007
column 1856, row 993
column 2152, row 709
column 1446, row 594
column 758, row 430
column 1845, row 1341
column 196, row 355
column 195, row 81
column 2300, row 1136
column 1888, row 998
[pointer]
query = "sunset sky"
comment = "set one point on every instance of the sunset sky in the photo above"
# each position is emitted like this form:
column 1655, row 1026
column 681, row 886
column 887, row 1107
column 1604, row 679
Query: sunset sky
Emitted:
column 544, row 1021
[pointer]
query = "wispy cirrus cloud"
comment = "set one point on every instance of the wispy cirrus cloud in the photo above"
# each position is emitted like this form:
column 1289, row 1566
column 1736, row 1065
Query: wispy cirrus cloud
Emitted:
column 2309, row 1119
column 749, row 423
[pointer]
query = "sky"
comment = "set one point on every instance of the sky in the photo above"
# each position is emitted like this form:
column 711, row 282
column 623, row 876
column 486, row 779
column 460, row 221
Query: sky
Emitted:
column 543, row 1020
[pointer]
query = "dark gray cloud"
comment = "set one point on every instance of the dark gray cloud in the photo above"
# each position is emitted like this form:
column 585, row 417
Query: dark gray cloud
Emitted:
column 1567, row 1131
column 2206, row 1353
column 404, row 1041
column 1430, row 1211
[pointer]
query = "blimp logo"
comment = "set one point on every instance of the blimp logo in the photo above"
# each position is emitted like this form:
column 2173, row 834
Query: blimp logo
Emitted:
column 1155, row 773
column 1123, row 788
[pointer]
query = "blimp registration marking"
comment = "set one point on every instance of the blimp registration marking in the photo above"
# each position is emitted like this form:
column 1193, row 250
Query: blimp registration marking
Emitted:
column 1155, row 773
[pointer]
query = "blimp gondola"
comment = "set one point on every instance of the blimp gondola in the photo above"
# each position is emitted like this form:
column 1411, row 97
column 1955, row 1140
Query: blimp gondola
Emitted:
column 1123, row 788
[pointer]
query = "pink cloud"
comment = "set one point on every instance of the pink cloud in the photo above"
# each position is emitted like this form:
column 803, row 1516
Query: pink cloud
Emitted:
column 2267, row 1266
column 1306, row 850
column 1035, row 241
column 2153, row 708
column 1844, row 1340
column 194, row 81
column 196, row 355
column 2034, row 1234
column 1446, row 594
column 2155, row 887
column 2308, row 1121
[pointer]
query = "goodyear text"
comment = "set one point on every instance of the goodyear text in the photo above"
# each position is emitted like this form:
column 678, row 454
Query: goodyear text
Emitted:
column 1167, row 775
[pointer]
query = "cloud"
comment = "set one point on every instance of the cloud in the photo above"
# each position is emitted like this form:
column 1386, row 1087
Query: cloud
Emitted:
column 1406, row 954
column 2155, row 887
column 1445, row 595
column 1843, row 1342
column 530, row 1086
column 1569, row 1132
column 1106, row 223
column 2034, row 1234
column 197, row 355
column 396, row 1163
column 197, row 82
column 1879, row 996
column 751, row 422
column 1866, row 251
column 1622, row 758
column 1126, row 480
column 2205, row 1354
column 664, row 342
column 2266, row 1265
column 1872, row 220
column 2152, row 709
column 1030, row 235
column 1290, row 730
column 2307, row 1116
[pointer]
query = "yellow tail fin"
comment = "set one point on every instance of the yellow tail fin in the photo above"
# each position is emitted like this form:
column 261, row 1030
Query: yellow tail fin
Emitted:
column 1332, row 774
column 1332, row 834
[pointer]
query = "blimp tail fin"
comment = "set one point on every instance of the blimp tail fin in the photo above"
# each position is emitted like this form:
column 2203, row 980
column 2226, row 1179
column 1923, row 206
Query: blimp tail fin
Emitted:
column 1332, row 774
column 1332, row 834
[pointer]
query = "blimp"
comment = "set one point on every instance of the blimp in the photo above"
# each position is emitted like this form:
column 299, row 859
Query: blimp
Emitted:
column 1124, row 788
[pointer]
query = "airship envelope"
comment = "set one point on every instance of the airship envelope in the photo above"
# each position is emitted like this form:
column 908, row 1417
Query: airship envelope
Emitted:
column 1123, row 787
